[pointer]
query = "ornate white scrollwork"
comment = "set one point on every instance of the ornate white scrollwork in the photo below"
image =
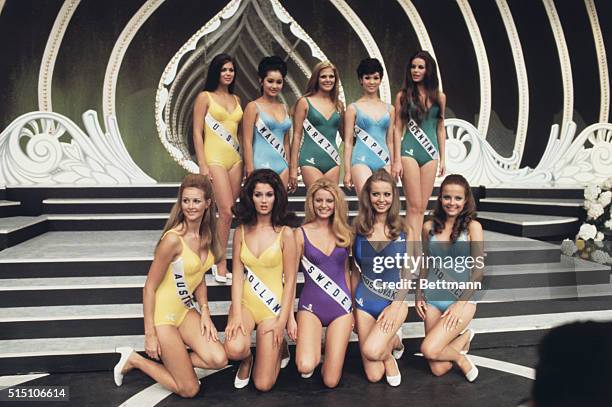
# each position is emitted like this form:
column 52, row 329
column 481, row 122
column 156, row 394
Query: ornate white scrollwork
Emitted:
column 566, row 161
column 48, row 148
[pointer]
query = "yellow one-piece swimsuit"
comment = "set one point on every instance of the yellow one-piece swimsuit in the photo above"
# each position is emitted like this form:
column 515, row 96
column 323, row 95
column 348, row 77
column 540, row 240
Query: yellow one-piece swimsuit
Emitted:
column 268, row 267
column 169, row 309
column 216, row 150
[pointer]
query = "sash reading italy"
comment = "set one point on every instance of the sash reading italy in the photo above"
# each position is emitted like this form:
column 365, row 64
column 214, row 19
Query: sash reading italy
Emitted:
column 263, row 292
column 276, row 144
column 321, row 141
column 423, row 140
column 222, row 132
column 372, row 144
column 326, row 284
column 182, row 290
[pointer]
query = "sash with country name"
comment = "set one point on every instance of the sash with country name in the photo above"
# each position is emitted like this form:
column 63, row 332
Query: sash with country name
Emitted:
column 321, row 141
column 326, row 284
column 423, row 140
column 264, row 294
column 386, row 293
column 372, row 144
column 267, row 135
column 222, row 132
column 182, row 289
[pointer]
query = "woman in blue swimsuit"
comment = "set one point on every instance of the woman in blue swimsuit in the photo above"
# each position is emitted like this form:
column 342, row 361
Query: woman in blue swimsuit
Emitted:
column 454, row 253
column 369, row 122
column 266, row 124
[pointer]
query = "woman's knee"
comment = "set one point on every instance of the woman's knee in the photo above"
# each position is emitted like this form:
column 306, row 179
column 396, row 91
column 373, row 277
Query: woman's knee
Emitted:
column 372, row 352
column 440, row 369
column 430, row 350
column 236, row 350
column 188, row 390
column 305, row 364
column 225, row 212
column 374, row 375
column 218, row 360
column 331, row 380
column 263, row 384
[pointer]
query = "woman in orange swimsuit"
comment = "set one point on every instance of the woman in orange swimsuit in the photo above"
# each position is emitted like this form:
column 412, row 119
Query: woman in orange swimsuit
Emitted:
column 216, row 121
column 187, row 249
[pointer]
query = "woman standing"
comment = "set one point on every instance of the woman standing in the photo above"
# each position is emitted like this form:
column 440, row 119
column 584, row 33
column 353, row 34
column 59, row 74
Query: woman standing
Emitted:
column 453, row 233
column 420, row 135
column 370, row 121
column 216, row 119
column 263, row 286
column 266, row 123
column 323, row 246
column 379, row 311
column 317, row 118
column 187, row 248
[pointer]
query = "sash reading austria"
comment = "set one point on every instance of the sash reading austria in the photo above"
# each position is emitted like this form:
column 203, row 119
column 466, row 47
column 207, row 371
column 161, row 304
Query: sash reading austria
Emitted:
column 222, row 132
column 263, row 292
column 182, row 290
column 321, row 141
column 372, row 144
column 423, row 140
column 276, row 144
column 326, row 284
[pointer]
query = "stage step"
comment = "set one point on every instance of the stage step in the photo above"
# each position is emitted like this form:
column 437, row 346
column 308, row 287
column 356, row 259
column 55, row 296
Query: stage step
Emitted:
column 534, row 206
column 9, row 208
column 535, row 191
column 18, row 229
column 528, row 225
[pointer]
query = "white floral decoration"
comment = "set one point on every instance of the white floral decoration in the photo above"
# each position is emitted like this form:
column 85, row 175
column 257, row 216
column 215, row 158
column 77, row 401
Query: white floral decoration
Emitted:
column 568, row 247
column 587, row 231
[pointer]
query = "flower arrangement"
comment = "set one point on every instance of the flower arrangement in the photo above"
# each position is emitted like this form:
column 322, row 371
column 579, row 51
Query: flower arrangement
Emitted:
column 593, row 241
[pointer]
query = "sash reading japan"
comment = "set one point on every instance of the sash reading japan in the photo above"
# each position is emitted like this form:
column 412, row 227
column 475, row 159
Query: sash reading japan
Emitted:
column 321, row 141
column 222, row 132
column 276, row 144
column 423, row 140
column 326, row 284
column 372, row 144
column 263, row 292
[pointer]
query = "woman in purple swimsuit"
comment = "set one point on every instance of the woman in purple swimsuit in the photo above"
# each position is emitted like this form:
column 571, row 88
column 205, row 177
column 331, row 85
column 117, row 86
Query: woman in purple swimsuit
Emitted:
column 323, row 244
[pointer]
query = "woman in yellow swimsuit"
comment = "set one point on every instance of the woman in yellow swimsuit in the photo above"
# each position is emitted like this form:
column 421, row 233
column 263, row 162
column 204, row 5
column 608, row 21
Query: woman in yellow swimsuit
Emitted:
column 216, row 121
column 263, row 287
column 186, row 250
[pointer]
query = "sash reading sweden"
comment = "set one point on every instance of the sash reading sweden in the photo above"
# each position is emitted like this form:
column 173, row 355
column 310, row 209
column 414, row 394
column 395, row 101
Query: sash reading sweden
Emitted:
column 326, row 284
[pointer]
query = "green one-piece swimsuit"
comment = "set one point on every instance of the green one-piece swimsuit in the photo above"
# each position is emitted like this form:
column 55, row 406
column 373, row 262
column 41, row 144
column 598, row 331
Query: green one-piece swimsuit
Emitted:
column 313, row 154
column 411, row 147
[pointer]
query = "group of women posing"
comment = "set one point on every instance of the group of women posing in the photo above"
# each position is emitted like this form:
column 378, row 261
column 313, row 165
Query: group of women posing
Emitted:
column 336, row 260
column 406, row 140
column 337, row 294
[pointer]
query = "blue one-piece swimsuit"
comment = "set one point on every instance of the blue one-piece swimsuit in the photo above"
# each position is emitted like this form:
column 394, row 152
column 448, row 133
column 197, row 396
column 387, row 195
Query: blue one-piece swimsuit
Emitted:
column 264, row 155
column 377, row 129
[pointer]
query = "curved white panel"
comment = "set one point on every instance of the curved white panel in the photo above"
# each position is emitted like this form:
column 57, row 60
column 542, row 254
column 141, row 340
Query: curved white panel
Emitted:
column 368, row 42
column 602, row 61
column 121, row 45
column 45, row 75
column 421, row 31
column 564, row 60
column 484, row 72
column 521, row 77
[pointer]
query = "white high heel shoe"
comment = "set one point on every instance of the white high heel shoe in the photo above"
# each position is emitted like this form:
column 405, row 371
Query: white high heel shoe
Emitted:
column 285, row 360
column 219, row 278
column 472, row 374
column 396, row 380
column 125, row 352
column 472, row 333
column 242, row 383
column 397, row 353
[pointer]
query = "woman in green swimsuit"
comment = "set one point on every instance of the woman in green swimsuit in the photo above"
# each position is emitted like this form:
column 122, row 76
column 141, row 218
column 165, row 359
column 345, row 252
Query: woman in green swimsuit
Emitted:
column 419, row 137
column 317, row 118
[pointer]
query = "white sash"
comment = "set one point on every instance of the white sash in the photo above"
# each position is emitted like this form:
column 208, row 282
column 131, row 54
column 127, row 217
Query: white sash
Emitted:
column 263, row 292
column 222, row 132
column 321, row 141
column 387, row 293
column 265, row 132
column 423, row 140
column 326, row 284
column 372, row 144
column 182, row 289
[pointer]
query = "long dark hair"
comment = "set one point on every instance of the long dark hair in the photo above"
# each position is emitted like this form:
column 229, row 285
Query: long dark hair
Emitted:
column 464, row 218
column 364, row 222
column 214, row 72
column 411, row 106
column 244, row 209
column 208, row 226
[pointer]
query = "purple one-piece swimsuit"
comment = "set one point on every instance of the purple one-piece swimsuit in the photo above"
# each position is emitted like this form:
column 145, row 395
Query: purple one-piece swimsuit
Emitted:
column 325, row 295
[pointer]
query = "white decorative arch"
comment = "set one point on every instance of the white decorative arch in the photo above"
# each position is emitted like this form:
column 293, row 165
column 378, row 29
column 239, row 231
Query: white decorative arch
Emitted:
column 484, row 71
column 421, row 31
column 45, row 75
column 521, row 77
column 565, row 62
column 368, row 42
column 602, row 61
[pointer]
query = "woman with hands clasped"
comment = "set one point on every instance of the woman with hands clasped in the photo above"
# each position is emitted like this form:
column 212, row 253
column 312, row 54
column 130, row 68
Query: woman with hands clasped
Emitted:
column 188, row 247
column 323, row 244
column 453, row 233
column 263, row 287
column 380, row 309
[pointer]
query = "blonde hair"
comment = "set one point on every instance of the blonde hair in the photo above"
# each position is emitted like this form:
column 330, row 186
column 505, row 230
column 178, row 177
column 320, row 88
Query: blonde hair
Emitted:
column 364, row 222
column 208, row 226
column 340, row 227
column 313, row 84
